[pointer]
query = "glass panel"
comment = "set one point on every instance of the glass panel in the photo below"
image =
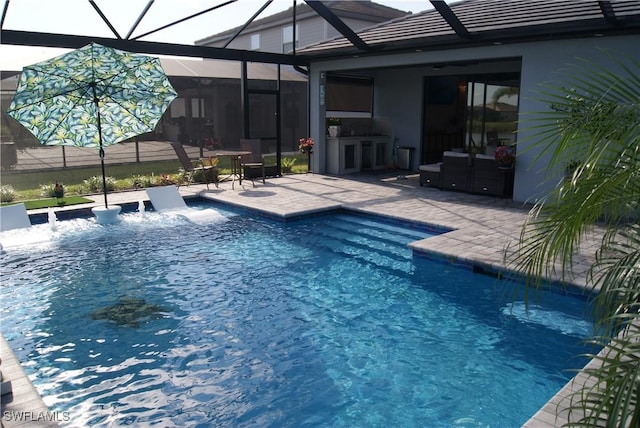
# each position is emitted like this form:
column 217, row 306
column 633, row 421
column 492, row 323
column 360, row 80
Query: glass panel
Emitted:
column 255, row 42
column 349, row 94
column 293, row 109
column 178, row 108
column 501, row 114
column 287, row 38
column 197, row 107
column 492, row 112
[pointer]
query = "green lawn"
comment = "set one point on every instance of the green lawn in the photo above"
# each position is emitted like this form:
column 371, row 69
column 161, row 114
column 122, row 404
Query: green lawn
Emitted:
column 20, row 180
column 54, row 202
column 28, row 184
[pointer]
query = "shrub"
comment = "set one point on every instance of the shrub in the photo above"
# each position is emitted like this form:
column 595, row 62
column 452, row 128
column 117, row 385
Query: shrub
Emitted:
column 166, row 180
column 287, row 164
column 7, row 194
column 199, row 176
column 141, row 181
column 94, row 184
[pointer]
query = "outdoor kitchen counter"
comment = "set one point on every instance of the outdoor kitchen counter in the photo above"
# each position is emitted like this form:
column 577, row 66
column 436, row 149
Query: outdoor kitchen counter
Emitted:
column 350, row 154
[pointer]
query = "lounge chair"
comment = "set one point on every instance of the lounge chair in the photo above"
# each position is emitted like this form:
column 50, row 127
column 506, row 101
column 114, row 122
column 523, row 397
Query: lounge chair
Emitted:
column 14, row 217
column 191, row 167
column 252, row 165
column 167, row 200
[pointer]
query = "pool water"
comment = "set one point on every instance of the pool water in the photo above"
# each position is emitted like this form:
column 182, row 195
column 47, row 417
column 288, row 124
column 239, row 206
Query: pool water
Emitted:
column 327, row 321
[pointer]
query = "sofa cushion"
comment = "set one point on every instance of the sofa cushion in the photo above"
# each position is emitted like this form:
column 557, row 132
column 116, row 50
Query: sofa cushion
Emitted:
column 455, row 154
column 432, row 167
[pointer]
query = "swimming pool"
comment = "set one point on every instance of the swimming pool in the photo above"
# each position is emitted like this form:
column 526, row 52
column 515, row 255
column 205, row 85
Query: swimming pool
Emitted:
column 325, row 321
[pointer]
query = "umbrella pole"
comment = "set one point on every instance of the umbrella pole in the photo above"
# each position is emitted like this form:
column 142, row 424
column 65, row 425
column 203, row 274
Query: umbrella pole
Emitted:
column 104, row 176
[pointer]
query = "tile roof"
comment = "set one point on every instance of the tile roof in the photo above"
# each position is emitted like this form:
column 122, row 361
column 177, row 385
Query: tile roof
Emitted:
column 490, row 21
column 365, row 10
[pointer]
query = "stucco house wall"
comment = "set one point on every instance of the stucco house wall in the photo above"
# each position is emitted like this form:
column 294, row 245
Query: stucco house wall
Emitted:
column 271, row 38
column 399, row 92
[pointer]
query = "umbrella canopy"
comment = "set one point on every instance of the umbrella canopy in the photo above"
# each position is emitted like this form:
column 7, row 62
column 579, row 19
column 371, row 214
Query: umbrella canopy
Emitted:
column 94, row 96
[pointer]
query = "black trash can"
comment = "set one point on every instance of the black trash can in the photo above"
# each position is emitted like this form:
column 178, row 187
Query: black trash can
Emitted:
column 405, row 157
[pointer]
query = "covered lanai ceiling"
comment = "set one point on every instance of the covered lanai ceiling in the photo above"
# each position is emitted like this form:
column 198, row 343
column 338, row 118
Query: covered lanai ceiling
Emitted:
column 465, row 23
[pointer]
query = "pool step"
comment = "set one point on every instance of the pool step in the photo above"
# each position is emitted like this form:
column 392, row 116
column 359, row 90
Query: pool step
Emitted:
column 368, row 241
column 401, row 233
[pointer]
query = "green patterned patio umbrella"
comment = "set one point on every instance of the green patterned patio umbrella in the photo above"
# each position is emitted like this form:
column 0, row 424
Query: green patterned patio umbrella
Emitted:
column 94, row 96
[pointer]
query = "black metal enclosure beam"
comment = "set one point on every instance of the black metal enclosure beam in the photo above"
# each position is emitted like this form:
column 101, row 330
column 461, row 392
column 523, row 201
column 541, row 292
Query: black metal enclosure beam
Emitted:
column 181, row 20
column 445, row 11
column 246, row 24
column 28, row 38
column 337, row 23
column 104, row 18
column 139, row 19
column 4, row 13
column 608, row 12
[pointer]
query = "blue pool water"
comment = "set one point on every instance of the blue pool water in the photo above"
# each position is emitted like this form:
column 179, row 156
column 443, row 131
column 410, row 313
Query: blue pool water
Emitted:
column 328, row 321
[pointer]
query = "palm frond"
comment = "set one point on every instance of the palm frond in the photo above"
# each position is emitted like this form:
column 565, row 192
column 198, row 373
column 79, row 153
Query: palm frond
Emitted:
column 593, row 125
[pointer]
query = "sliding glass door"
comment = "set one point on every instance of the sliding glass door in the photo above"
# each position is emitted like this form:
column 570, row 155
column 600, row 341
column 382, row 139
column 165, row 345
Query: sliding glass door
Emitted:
column 469, row 112
column 492, row 112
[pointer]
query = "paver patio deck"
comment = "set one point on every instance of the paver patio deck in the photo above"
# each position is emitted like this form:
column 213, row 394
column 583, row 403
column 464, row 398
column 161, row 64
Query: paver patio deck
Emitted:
column 482, row 227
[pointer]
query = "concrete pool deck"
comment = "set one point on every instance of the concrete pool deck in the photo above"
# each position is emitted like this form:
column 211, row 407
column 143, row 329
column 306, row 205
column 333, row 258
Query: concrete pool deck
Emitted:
column 482, row 227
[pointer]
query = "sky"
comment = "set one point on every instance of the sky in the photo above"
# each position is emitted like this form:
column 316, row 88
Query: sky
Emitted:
column 79, row 17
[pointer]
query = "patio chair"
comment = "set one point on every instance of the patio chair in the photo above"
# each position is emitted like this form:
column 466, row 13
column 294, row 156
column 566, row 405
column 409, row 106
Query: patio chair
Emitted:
column 14, row 217
column 455, row 171
column 494, row 140
column 489, row 179
column 430, row 174
column 192, row 167
column 252, row 165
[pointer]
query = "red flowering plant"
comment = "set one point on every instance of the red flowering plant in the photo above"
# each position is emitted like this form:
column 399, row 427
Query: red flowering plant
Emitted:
column 504, row 155
column 306, row 144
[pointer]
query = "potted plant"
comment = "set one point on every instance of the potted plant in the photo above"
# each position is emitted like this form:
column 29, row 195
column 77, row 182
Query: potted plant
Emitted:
column 306, row 145
column 334, row 126
column 505, row 157
column 58, row 190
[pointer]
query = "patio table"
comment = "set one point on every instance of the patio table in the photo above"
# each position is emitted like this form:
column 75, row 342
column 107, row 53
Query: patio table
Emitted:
column 235, row 157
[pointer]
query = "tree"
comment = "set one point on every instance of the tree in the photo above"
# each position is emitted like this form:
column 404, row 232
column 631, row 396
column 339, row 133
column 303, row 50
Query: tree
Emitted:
column 593, row 124
column 504, row 91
